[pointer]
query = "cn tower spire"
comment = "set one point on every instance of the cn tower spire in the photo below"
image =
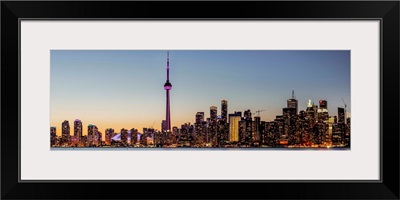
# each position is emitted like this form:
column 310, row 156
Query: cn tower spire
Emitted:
column 167, row 87
column 167, row 66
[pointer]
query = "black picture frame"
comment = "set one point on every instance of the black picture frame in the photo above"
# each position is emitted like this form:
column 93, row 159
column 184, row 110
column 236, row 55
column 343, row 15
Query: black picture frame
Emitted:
column 386, row 11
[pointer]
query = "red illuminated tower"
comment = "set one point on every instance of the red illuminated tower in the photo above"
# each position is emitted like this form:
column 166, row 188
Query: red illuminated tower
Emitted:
column 168, row 87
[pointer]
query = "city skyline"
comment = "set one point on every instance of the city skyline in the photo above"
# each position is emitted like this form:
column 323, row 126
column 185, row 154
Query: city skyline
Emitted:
column 100, row 82
column 313, row 127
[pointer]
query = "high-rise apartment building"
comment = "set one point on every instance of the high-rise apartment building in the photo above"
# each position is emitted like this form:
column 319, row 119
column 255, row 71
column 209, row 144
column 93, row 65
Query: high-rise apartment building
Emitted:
column 224, row 110
column 65, row 133
column 78, row 130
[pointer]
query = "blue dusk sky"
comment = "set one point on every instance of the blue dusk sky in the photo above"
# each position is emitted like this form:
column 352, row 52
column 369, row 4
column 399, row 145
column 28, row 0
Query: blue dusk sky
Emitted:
column 124, row 88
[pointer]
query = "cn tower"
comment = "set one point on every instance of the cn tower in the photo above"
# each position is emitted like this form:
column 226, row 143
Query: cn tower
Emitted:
column 168, row 87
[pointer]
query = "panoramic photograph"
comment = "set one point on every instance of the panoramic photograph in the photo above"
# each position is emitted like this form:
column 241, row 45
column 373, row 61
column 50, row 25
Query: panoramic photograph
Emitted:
column 218, row 99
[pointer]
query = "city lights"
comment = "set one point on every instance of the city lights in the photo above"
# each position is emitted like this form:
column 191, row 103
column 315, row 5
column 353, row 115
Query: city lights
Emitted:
column 312, row 128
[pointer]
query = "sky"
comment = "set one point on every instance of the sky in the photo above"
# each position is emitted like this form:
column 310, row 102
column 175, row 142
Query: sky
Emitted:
column 125, row 88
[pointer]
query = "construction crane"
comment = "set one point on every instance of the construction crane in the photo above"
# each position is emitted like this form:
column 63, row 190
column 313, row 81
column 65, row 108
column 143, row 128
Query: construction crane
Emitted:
column 345, row 110
column 152, row 125
column 258, row 112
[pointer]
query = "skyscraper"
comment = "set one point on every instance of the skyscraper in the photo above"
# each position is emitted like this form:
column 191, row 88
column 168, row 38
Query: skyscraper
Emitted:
column 98, row 138
column 92, row 134
column 124, row 137
column 163, row 126
column 109, row 135
column 292, row 103
column 323, row 104
column 271, row 134
column 238, row 114
column 341, row 118
column 65, row 132
column 248, row 127
column 168, row 87
column 52, row 136
column 199, row 117
column 329, row 133
column 289, row 117
column 224, row 110
column 256, row 129
column 341, row 127
column 311, row 112
column 213, row 123
column 337, row 134
column 78, row 130
column 323, row 111
column 242, row 132
column 134, row 136
column 280, row 127
column 234, row 127
column 213, row 114
column 198, row 126
column 174, row 135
